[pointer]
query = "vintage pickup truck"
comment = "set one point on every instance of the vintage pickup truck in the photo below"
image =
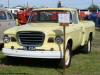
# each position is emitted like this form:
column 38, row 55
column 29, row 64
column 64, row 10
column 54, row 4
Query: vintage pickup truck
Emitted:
column 42, row 37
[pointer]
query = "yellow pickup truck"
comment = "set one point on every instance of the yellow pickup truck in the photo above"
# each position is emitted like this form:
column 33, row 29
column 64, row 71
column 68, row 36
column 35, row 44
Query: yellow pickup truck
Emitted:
column 42, row 37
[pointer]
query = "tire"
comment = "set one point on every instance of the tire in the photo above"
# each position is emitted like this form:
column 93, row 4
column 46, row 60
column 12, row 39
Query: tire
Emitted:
column 87, row 47
column 67, row 58
column 1, row 46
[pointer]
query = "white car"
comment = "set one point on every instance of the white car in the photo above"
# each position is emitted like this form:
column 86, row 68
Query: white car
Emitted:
column 6, row 21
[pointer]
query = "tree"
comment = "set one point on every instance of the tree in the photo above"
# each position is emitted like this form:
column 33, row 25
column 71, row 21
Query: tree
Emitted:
column 93, row 7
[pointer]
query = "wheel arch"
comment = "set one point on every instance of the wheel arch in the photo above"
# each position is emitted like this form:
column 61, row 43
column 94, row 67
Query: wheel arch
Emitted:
column 91, row 36
column 70, row 42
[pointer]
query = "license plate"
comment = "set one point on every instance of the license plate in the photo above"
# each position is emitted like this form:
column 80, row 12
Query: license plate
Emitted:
column 29, row 48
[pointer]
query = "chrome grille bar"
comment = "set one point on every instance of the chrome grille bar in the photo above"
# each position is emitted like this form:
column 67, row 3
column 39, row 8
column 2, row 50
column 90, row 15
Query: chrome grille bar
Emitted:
column 30, row 38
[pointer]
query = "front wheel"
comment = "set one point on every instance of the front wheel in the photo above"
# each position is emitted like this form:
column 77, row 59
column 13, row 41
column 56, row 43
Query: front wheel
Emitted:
column 67, row 57
column 1, row 46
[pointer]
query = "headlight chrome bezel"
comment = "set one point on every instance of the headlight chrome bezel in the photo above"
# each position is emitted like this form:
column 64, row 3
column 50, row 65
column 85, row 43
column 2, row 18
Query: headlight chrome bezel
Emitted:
column 6, row 39
column 59, row 40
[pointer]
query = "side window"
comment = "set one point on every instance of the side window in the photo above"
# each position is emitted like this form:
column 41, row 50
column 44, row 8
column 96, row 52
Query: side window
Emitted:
column 2, row 15
column 9, row 16
column 75, row 20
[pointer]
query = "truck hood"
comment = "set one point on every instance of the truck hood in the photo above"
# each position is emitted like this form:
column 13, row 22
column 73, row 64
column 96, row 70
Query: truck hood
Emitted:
column 47, row 28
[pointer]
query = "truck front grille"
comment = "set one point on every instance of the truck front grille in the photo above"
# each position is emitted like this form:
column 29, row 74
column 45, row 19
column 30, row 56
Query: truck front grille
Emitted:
column 30, row 38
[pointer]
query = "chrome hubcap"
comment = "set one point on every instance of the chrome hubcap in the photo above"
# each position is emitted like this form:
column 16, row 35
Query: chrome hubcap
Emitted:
column 68, row 57
column 89, row 46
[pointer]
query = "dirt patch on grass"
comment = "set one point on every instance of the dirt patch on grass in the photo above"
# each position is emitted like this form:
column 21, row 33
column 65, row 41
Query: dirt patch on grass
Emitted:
column 3, row 66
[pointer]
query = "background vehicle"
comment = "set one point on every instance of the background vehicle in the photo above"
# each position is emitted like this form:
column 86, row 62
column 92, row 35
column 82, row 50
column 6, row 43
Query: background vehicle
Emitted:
column 6, row 21
column 42, row 37
column 22, row 16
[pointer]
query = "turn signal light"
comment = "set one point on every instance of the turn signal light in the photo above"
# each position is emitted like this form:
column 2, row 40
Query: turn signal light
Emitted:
column 50, row 40
column 13, row 39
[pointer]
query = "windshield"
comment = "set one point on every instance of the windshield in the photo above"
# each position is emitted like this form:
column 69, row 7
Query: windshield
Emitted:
column 45, row 16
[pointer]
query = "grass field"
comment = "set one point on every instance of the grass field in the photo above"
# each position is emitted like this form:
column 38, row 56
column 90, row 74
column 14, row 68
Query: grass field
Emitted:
column 82, row 64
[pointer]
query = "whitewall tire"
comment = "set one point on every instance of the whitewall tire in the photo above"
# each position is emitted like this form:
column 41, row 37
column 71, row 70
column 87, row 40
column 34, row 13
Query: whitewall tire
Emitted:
column 87, row 48
column 67, row 58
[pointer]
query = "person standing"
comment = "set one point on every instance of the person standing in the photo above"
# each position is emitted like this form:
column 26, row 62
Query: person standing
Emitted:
column 94, row 17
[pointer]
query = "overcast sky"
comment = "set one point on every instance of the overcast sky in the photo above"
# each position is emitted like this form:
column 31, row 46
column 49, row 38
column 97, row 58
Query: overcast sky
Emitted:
column 51, row 3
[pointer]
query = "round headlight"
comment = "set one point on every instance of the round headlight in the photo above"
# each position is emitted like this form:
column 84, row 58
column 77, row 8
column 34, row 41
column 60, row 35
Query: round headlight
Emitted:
column 58, row 40
column 6, row 39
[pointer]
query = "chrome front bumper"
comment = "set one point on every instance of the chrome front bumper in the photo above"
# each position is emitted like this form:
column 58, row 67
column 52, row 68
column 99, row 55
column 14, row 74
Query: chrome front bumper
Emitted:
column 32, row 54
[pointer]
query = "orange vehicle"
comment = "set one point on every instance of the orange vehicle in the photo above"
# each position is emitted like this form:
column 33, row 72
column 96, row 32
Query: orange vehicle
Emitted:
column 98, row 14
column 22, row 16
column 83, row 15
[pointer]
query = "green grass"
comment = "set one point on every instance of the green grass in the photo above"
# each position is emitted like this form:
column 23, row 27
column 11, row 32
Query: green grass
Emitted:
column 82, row 64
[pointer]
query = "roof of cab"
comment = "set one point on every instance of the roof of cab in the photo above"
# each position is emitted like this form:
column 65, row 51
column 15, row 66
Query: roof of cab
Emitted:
column 70, row 9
